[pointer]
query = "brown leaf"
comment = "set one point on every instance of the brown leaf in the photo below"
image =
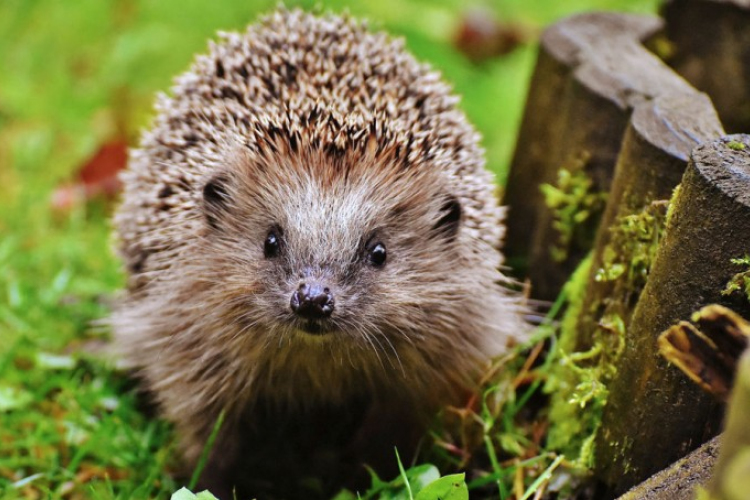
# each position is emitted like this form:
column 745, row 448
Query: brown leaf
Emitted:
column 481, row 36
column 96, row 178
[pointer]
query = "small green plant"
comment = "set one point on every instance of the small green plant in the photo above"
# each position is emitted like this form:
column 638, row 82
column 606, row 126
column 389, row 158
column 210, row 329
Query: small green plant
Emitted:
column 740, row 282
column 185, row 494
column 573, row 202
column 421, row 482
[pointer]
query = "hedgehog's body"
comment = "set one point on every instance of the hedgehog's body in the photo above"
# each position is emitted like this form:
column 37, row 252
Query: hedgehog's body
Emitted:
column 308, row 226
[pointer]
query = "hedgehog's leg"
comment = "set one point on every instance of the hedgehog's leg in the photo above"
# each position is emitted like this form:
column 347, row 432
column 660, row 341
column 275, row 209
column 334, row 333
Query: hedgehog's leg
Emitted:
column 196, row 413
column 387, row 427
column 221, row 469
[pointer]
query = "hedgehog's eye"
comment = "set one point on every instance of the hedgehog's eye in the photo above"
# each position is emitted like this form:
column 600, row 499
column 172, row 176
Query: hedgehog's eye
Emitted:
column 376, row 254
column 272, row 245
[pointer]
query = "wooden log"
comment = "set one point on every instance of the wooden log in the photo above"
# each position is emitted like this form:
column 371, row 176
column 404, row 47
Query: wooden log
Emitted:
column 709, row 45
column 591, row 72
column 720, row 464
column 654, row 414
column 681, row 479
column 653, row 158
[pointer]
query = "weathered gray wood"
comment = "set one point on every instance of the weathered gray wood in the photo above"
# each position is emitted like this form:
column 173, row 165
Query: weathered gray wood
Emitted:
column 592, row 71
column 709, row 45
column 680, row 480
column 654, row 414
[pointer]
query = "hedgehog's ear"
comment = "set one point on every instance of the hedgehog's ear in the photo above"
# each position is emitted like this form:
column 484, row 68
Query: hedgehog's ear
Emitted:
column 216, row 199
column 450, row 218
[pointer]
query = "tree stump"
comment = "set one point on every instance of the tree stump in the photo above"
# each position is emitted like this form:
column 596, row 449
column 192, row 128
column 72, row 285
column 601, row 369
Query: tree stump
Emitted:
column 654, row 414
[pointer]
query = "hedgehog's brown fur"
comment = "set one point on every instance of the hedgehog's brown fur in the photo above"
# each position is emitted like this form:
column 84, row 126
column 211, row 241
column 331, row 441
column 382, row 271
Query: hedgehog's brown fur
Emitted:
column 332, row 133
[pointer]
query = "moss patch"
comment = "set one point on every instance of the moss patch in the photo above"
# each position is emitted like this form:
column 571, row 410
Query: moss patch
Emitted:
column 577, row 397
column 740, row 282
column 575, row 206
column 672, row 203
column 579, row 384
column 632, row 249
column 736, row 145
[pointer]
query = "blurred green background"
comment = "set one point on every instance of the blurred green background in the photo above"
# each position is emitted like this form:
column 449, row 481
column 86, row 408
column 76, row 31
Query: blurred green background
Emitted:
column 77, row 75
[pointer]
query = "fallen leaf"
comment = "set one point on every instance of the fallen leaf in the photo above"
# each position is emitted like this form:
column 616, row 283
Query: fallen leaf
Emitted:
column 96, row 178
column 481, row 36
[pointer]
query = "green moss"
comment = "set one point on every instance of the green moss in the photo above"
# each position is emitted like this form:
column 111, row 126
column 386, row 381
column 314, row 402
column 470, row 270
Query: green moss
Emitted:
column 574, row 205
column 740, row 282
column 577, row 396
column 736, row 145
column 622, row 275
column 662, row 46
column 574, row 291
column 619, row 280
column 673, row 202
column 578, row 386
column 632, row 248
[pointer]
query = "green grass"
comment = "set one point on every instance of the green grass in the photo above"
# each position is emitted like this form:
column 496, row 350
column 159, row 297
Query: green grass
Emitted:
column 74, row 75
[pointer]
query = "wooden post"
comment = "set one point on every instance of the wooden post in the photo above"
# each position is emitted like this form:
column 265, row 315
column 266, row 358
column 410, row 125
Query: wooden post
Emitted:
column 681, row 479
column 708, row 43
column 654, row 155
column 592, row 71
column 654, row 414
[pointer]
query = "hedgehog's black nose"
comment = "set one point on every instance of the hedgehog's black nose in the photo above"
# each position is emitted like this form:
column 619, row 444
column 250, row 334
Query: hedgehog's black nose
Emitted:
column 312, row 301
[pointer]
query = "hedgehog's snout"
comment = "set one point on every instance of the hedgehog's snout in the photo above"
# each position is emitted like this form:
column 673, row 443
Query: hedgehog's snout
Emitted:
column 312, row 301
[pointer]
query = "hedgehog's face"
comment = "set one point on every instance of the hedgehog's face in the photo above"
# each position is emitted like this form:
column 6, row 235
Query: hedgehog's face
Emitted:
column 367, row 259
column 313, row 301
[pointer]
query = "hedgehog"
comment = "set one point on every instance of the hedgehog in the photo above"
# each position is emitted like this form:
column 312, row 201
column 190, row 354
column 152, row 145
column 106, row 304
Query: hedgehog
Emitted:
column 313, row 252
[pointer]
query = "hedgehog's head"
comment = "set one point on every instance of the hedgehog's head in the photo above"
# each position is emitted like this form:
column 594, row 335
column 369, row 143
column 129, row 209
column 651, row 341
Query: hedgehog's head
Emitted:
column 361, row 247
